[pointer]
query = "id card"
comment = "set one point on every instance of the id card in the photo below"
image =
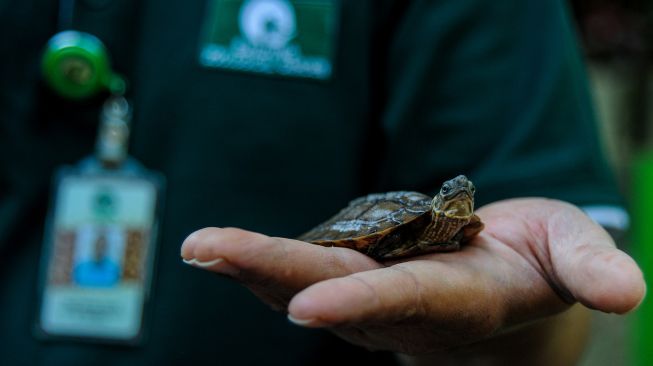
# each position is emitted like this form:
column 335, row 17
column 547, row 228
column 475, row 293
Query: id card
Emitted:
column 98, row 253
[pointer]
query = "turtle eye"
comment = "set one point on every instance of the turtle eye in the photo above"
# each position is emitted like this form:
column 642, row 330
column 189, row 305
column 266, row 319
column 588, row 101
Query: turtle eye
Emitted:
column 445, row 189
column 472, row 188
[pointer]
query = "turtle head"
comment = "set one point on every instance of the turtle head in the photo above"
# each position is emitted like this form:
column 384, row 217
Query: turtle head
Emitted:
column 455, row 199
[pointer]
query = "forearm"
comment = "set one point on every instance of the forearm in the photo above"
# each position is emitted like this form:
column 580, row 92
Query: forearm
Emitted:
column 558, row 340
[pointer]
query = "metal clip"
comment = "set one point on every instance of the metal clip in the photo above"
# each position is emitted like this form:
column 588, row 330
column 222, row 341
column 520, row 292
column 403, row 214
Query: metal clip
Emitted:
column 113, row 136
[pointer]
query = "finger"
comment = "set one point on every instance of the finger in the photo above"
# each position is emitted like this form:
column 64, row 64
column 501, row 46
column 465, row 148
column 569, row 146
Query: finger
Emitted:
column 444, row 296
column 269, row 263
column 578, row 255
column 590, row 266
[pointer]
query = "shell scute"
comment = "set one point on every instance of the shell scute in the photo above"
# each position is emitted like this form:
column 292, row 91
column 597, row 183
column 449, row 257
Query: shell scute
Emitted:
column 372, row 215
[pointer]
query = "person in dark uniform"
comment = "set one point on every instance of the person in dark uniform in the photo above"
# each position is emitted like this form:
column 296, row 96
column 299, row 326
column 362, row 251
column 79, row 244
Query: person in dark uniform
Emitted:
column 271, row 115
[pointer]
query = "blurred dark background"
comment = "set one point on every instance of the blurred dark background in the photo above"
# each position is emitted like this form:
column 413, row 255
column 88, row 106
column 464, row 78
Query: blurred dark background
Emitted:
column 617, row 39
column 614, row 30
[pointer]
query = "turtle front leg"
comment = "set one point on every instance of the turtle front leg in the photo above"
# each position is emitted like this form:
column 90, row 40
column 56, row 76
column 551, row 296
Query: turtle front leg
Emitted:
column 465, row 234
column 451, row 245
column 470, row 230
column 424, row 246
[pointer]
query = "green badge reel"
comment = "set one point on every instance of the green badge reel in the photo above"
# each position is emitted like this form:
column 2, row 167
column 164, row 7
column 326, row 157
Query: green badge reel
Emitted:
column 76, row 66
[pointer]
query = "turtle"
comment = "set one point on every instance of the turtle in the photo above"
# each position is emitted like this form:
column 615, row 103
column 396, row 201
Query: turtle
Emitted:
column 401, row 224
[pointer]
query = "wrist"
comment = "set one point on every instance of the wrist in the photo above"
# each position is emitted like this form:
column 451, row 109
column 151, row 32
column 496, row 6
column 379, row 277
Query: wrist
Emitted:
column 556, row 340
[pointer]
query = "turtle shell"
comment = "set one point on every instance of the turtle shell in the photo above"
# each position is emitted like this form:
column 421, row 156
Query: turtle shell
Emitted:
column 367, row 220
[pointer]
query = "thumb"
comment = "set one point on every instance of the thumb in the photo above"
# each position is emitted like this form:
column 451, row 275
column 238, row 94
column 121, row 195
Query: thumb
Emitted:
column 588, row 265
column 578, row 256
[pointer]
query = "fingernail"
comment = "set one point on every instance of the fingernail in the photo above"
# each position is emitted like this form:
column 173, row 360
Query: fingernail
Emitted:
column 310, row 322
column 216, row 265
column 195, row 262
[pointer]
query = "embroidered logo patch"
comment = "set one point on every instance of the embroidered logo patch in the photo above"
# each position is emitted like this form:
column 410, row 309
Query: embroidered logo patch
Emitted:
column 277, row 37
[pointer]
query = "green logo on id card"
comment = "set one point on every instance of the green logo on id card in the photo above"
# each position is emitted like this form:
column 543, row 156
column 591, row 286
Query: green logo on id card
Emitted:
column 277, row 37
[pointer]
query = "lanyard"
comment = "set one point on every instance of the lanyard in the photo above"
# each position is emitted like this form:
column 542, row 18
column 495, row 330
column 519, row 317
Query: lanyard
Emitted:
column 66, row 14
column 98, row 257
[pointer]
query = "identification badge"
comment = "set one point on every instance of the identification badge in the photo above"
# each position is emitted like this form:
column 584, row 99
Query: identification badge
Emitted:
column 98, row 253
column 293, row 38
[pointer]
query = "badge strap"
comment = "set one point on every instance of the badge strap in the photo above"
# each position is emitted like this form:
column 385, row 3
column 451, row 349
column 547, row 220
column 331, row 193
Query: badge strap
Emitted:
column 113, row 134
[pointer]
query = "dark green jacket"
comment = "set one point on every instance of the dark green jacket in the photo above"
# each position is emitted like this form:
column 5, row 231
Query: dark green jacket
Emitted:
column 421, row 91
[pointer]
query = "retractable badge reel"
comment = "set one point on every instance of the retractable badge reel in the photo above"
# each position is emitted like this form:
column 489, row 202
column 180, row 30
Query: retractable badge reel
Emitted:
column 76, row 66
column 99, row 248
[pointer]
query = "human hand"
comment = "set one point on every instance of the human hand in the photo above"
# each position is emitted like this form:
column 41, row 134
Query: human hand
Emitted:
column 535, row 258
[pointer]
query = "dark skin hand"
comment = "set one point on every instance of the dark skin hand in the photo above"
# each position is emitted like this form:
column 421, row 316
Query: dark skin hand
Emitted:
column 534, row 260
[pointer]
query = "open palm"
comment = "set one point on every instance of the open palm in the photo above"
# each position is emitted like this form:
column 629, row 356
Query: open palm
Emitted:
column 535, row 258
